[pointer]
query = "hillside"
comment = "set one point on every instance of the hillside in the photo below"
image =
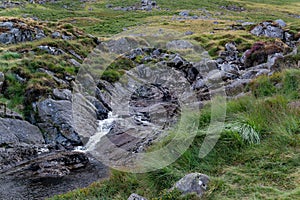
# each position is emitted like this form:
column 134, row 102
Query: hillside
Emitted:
column 144, row 75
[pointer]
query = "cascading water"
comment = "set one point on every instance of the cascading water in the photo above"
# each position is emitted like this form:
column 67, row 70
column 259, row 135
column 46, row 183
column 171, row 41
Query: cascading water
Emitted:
column 104, row 127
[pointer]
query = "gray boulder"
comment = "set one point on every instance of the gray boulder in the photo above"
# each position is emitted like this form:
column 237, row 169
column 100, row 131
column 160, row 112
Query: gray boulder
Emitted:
column 193, row 183
column 237, row 87
column 55, row 35
column 55, row 118
column 62, row 94
column 14, row 131
column 268, row 29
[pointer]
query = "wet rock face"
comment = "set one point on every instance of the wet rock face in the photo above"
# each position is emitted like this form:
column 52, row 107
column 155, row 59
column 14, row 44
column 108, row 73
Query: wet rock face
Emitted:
column 152, row 109
column 12, row 32
column 63, row 116
column 56, row 120
column 146, row 102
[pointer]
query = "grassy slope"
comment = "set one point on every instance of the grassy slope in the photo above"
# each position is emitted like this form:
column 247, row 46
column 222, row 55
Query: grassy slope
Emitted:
column 269, row 170
column 239, row 170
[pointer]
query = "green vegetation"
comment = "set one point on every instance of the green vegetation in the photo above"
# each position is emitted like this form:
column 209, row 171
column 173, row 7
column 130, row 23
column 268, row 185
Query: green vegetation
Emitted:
column 257, row 156
column 10, row 56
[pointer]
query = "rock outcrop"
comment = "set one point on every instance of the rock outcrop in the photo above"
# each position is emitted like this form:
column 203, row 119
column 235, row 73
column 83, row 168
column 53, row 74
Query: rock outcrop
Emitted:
column 18, row 131
column 274, row 29
column 16, row 31
column 146, row 5
column 56, row 119
column 10, row 4
column 41, row 171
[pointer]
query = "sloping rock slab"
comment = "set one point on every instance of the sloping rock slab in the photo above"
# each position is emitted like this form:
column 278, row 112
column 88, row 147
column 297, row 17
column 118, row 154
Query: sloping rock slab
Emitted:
column 15, row 131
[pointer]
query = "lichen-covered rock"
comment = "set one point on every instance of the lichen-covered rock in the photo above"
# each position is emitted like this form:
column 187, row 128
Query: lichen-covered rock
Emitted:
column 193, row 183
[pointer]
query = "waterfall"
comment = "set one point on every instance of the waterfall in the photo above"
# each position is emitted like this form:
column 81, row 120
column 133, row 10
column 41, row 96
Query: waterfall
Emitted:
column 104, row 127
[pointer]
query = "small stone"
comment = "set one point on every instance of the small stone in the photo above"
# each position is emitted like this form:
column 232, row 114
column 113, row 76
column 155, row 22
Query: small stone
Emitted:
column 189, row 33
column 136, row 197
column 184, row 13
column 74, row 62
column 55, row 34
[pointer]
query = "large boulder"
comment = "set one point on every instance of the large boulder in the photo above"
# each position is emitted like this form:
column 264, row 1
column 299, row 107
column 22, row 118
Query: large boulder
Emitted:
column 56, row 120
column 14, row 131
column 268, row 29
column 193, row 183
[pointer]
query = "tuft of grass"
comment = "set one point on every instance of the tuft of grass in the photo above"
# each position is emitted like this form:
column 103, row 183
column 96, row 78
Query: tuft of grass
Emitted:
column 10, row 55
column 246, row 131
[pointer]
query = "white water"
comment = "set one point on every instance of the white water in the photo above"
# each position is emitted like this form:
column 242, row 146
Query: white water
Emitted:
column 104, row 127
